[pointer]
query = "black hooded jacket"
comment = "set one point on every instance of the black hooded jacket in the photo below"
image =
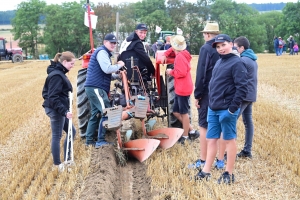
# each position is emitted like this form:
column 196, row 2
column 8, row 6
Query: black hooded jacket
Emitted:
column 133, row 47
column 56, row 88
column 208, row 56
column 228, row 84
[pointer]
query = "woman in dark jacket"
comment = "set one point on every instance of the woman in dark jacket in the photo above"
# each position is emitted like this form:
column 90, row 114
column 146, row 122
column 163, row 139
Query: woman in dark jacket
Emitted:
column 56, row 101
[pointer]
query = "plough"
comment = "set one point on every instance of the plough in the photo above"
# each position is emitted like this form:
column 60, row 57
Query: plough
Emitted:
column 138, row 105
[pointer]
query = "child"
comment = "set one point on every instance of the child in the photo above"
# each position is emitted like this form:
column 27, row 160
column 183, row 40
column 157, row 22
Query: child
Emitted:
column 227, row 89
column 296, row 48
column 182, row 83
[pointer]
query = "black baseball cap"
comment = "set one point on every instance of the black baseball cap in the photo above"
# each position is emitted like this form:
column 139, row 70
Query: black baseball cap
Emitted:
column 110, row 37
column 220, row 39
column 142, row 27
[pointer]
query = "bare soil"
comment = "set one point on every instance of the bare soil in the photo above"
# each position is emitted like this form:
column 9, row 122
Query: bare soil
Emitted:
column 107, row 180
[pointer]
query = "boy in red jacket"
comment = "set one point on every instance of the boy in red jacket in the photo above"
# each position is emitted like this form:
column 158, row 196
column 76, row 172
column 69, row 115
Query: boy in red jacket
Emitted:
column 182, row 83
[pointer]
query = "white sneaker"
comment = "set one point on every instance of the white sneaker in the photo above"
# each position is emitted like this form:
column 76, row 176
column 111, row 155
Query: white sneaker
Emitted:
column 60, row 167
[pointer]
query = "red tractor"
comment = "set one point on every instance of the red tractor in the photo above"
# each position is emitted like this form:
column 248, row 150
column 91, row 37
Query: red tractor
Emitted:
column 13, row 54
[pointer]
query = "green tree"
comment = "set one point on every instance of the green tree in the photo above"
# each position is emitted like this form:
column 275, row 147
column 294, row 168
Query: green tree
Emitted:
column 239, row 20
column 271, row 21
column 196, row 17
column 290, row 21
column 106, row 19
column 153, row 13
column 26, row 27
column 65, row 29
column 127, row 19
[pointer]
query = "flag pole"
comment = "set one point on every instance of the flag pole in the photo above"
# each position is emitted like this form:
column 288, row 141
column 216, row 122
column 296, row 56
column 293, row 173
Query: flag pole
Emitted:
column 90, row 26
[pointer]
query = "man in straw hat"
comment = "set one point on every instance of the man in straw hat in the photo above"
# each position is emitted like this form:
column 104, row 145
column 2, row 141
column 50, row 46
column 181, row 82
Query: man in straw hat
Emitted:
column 208, row 56
column 182, row 83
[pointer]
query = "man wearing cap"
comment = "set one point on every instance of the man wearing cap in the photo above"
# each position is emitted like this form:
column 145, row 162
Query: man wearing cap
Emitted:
column 227, row 90
column 208, row 56
column 97, row 87
column 133, row 46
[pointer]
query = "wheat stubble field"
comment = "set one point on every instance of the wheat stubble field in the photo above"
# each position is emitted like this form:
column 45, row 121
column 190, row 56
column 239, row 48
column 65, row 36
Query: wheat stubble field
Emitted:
column 26, row 161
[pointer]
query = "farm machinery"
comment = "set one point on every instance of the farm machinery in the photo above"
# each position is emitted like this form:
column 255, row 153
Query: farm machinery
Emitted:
column 13, row 54
column 140, row 101
column 144, row 101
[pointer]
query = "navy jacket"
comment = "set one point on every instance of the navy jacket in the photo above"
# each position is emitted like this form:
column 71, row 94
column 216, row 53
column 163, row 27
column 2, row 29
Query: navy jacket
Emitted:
column 208, row 56
column 56, row 88
column 228, row 84
column 95, row 76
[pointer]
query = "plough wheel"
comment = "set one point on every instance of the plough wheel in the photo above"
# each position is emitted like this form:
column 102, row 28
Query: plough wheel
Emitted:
column 173, row 134
column 141, row 149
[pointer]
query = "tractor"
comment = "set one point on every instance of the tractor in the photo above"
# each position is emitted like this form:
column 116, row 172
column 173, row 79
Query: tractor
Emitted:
column 13, row 54
column 162, row 37
column 145, row 101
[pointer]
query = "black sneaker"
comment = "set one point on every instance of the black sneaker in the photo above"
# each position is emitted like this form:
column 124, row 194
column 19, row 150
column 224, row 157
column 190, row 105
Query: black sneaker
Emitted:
column 194, row 135
column 244, row 154
column 203, row 176
column 182, row 140
column 227, row 178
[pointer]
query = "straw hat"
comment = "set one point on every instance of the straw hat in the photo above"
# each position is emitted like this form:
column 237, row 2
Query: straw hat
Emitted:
column 178, row 42
column 211, row 27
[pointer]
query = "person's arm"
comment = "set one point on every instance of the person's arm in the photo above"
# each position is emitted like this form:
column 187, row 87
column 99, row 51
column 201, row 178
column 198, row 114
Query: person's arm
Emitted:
column 55, row 88
column 105, row 63
column 169, row 53
column 203, row 62
column 145, row 59
column 240, row 79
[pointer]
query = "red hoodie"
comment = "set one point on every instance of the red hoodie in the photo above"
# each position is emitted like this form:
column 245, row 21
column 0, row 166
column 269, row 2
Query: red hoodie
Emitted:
column 182, row 72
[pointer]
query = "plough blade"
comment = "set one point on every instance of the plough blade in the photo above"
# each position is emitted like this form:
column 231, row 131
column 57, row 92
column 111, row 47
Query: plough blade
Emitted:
column 173, row 134
column 141, row 149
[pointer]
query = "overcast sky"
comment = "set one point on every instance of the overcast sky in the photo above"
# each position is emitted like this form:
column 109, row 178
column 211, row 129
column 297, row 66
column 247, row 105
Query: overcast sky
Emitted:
column 12, row 4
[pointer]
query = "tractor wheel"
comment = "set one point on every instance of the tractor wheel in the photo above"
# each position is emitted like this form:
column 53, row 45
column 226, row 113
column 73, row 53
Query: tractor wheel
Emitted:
column 172, row 120
column 83, row 105
column 17, row 58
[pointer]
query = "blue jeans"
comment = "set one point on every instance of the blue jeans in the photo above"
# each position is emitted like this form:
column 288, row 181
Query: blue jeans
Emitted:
column 277, row 51
column 99, row 101
column 246, row 112
column 58, row 124
column 280, row 51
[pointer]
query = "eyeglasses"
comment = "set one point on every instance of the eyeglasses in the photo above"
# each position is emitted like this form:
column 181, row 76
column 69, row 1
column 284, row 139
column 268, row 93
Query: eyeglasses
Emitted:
column 114, row 43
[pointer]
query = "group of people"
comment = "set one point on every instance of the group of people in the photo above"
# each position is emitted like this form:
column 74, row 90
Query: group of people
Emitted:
column 161, row 45
column 281, row 46
column 225, row 88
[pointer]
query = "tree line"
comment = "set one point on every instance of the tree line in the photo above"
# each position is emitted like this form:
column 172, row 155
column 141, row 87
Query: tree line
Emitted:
column 64, row 29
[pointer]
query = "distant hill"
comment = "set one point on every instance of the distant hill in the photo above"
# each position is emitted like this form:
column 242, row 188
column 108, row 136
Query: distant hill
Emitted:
column 264, row 7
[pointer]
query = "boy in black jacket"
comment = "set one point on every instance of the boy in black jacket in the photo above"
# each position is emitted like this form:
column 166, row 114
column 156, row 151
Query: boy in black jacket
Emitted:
column 227, row 89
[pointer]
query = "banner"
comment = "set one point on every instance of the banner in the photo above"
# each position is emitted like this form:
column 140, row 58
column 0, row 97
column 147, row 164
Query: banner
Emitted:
column 157, row 29
column 94, row 19
column 179, row 31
